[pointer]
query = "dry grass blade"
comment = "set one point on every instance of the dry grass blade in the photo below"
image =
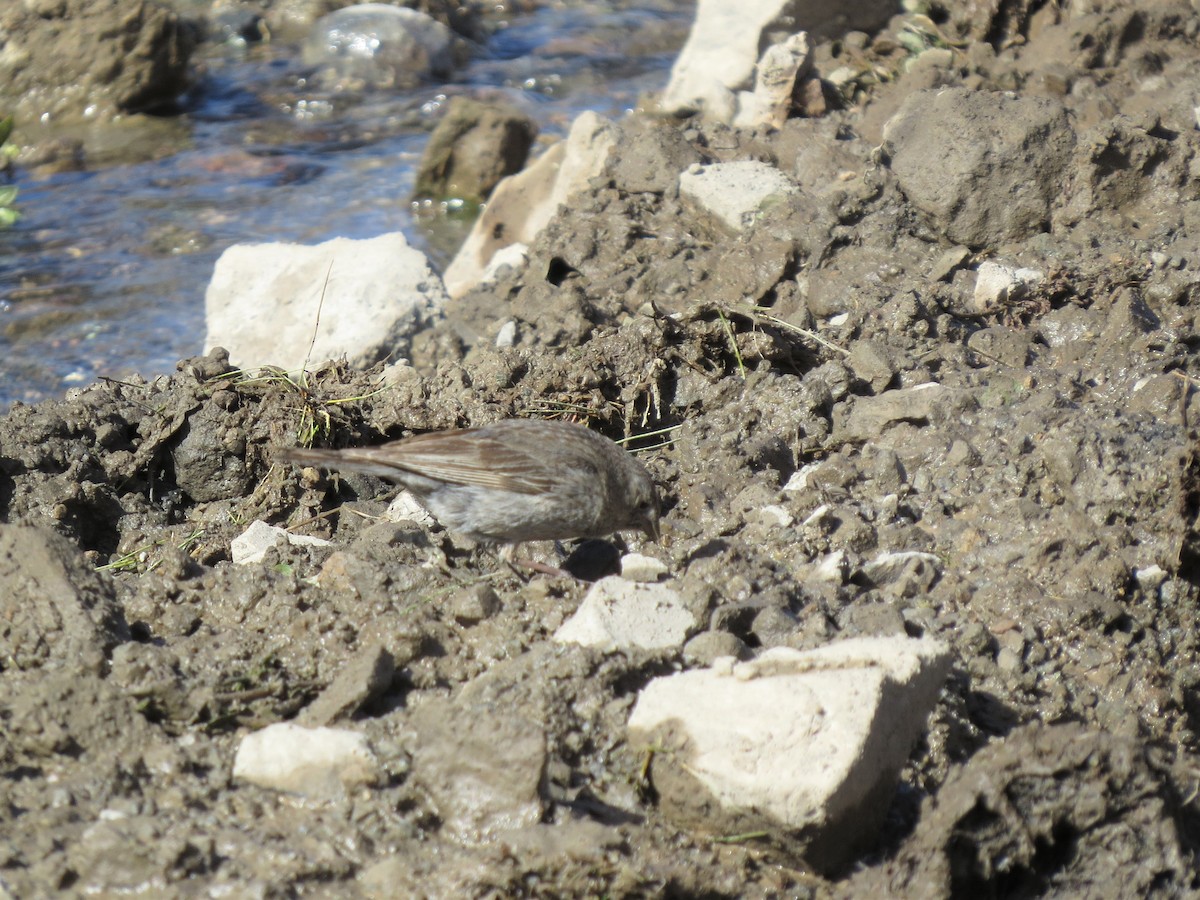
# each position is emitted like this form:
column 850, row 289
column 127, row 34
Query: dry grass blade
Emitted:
column 796, row 329
column 737, row 353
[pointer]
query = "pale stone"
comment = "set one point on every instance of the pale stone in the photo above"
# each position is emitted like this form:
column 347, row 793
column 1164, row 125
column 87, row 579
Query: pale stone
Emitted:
column 997, row 284
column 736, row 193
column 506, row 336
column 296, row 306
column 831, row 568
column 252, row 544
column 639, row 567
column 618, row 614
column 316, row 762
column 727, row 36
column 406, row 508
column 804, row 745
column 799, row 479
column 774, row 84
column 522, row 204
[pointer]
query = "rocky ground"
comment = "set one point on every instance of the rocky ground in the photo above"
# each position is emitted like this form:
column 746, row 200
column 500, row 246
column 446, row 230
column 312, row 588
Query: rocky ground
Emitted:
column 1033, row 256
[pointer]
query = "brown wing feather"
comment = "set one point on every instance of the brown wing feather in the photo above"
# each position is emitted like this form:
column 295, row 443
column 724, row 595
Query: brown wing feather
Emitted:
column 463, row 457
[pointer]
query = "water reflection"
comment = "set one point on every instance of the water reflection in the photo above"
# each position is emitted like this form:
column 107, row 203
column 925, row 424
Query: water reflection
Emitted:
column 105, row 272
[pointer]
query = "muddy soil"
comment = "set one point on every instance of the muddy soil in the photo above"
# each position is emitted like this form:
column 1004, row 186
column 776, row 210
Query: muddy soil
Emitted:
column 1037, row 509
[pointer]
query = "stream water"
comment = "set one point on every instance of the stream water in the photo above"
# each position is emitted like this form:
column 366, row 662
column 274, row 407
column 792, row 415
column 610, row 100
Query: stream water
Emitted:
column 105, row 272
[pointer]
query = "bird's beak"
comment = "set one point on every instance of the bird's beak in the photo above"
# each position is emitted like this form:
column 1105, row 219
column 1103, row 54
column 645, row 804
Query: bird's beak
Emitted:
column 650, row 527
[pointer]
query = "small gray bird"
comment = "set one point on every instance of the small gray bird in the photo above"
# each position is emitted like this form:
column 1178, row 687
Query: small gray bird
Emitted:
column 516, row 480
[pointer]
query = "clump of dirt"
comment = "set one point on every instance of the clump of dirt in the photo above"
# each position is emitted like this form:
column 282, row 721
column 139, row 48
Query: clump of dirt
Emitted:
column 837, row 361
column 1042, row 812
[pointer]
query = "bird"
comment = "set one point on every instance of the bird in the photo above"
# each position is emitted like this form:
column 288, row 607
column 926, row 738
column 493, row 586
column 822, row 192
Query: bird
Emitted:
column 512, row 481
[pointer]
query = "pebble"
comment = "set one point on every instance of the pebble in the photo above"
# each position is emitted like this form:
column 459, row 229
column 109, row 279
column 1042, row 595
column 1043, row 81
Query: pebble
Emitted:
column 316, row 762
column 252, row 544
column 639, row 567
column 619, row 615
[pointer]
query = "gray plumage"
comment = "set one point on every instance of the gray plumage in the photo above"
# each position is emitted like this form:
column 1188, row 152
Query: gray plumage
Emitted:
column 516, row 480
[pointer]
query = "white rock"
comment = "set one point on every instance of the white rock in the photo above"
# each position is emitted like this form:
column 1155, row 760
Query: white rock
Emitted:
column 252, row 544
column 1151, row 577
column 997, row 284
column 776, row 515
column 639, row 567
column 512, row 257
column 735, row 193
column 264, row 301
column 507, row 335
column 618, row 614
column 316, row 762
column 405, row 508
column 842, row 77
column 774, row 84
column 805, row 745
column 522, row 204
column 832, row 567
column 817, row 516
column 727, row 36
column 799, row 479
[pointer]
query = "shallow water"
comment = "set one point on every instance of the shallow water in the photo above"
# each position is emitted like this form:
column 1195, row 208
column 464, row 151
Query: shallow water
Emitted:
column 105, row 273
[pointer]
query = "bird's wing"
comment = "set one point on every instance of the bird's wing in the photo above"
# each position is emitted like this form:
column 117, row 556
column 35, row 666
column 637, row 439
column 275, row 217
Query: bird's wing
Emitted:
column 473, row 458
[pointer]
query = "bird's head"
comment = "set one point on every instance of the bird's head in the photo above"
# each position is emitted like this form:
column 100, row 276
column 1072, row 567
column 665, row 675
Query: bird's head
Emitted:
column 643, row 505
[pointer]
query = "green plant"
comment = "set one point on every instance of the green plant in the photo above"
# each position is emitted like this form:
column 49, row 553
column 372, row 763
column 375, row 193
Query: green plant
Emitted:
column 8, row 192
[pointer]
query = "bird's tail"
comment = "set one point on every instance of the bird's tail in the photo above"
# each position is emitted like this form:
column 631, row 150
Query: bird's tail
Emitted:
column 354, row 460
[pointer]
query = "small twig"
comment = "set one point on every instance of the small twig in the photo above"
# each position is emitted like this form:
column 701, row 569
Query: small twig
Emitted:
column 1188, row 384
column 317, row 518
column 645, row 434
column 1184, row 376
column 653, row 447
column 316, row 327
column 804, row 332
column 742, row 838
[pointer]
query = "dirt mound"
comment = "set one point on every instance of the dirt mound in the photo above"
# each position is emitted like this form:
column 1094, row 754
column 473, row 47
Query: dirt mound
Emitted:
column 1001, row 457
